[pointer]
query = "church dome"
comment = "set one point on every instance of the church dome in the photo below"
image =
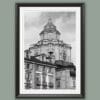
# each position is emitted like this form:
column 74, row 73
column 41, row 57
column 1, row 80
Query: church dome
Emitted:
column 49, row 25
column 50, row 28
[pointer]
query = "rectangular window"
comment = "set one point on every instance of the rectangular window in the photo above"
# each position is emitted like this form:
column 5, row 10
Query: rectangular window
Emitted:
column 58, row 83
column 37, row 80
column 38, row 68
column 50, row 81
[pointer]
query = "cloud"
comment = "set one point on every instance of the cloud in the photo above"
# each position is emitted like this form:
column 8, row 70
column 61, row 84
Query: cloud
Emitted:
column 31, row 19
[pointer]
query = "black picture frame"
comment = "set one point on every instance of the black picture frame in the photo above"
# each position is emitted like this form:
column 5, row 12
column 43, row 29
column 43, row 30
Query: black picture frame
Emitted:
column 17, row 51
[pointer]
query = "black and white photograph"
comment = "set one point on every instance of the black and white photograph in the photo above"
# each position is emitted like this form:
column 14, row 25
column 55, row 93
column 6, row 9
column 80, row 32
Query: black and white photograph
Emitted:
column 50, row 50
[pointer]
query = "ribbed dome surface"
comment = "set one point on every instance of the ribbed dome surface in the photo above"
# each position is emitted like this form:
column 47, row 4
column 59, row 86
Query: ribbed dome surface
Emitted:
column 49, row 25
column 50, row 28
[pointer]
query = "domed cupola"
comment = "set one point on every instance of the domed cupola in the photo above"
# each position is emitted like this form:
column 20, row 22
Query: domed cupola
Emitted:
column 50, row 27
column 50, row 32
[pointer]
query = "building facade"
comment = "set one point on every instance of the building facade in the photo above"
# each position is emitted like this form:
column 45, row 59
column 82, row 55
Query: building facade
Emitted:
column 48, row 62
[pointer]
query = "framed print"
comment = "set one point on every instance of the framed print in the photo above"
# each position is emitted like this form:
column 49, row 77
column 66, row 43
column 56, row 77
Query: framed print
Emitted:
column 50, row 50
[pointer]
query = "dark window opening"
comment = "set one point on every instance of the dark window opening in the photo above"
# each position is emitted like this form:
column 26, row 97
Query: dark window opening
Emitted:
column 50, row 85
column 58, row 83
column 27, row 66
column 38, row 83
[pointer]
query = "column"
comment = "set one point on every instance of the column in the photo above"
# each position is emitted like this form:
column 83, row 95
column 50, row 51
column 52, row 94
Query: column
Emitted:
column 47, row 78
column 41, row 80
column 54, row 78
column 67, row 78
column 63, row 80
column 41, row 75
column 33, row 76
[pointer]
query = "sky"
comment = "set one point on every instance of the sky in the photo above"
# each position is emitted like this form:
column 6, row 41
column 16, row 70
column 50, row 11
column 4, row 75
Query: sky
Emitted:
column 64, row 21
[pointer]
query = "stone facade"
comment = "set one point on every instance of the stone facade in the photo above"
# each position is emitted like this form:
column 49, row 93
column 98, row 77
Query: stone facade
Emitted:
column 50, row 54
column 50, row 42
column 39, row 75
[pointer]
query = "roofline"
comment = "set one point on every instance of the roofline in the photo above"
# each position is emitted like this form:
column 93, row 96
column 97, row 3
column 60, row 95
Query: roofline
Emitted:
column 40, row 63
